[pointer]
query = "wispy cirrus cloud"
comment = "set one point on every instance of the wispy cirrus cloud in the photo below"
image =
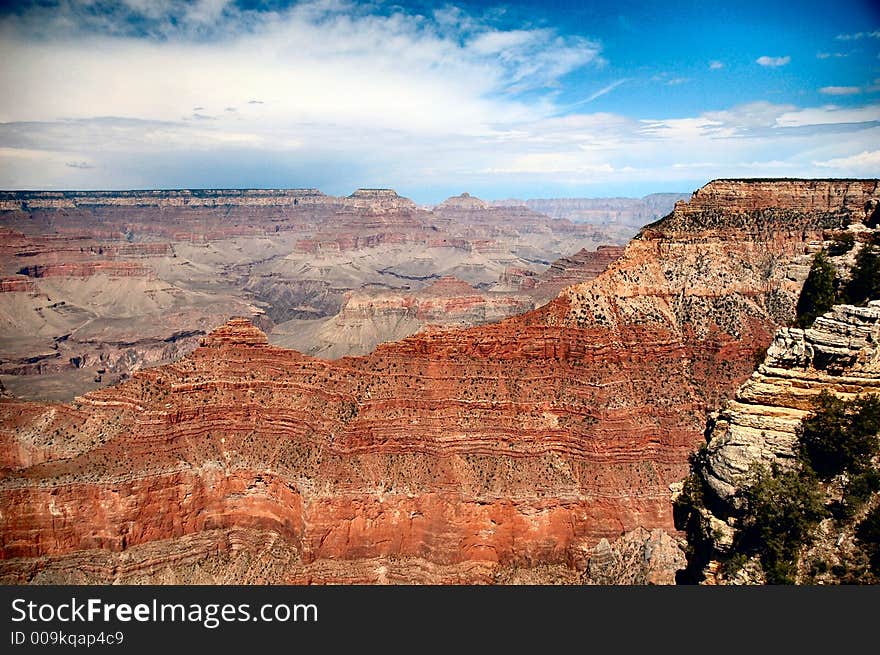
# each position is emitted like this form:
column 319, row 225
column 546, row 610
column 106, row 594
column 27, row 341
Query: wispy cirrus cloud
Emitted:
column 855, row 36
column 608, row 88
column 840, row 90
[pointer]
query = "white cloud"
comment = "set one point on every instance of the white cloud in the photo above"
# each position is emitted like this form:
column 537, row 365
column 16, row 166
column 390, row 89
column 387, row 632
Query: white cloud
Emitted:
column 750, row 116
column 840, row 90
column 313, row 63
column 867, row 161
column 715, row 65
column 337, row 95
column 773, row 62
column 828, row 115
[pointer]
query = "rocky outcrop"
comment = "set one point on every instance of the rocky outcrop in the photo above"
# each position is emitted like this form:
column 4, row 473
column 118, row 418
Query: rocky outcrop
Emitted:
column 517, row 446
column 639, row 557
column 758, row 431
column 840, row 354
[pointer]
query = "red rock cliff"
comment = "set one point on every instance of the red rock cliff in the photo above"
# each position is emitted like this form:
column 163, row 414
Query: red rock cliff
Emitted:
column 453, row 456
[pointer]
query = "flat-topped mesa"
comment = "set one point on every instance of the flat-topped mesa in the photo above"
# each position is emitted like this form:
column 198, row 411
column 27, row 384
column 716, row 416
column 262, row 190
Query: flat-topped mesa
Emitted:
column 465, row 202
column 830, row 195
column 759, row 208
column 378, row 201
column 89, row 269
column 237, row 331
column 29, row 200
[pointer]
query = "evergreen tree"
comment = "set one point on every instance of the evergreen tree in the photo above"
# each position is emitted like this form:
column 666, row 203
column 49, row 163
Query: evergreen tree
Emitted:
column 864, row 285
column 782, row 509
column 818, row 294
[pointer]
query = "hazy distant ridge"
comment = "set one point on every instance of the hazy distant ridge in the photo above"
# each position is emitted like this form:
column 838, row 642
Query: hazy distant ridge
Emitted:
column 626, row 211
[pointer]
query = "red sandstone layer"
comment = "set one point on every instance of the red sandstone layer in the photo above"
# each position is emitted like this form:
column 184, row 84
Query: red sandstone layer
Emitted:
column 521, row 443
column 16, row 283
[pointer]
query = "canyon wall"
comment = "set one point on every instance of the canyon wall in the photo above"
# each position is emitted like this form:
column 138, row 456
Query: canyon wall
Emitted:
column 838, row 354
column 122, row 280
column 501, row 452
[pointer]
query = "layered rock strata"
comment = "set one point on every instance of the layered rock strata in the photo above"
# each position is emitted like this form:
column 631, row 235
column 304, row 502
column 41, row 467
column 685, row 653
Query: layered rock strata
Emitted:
column 371, row 317
column 840, row 354
column 514, row 446
column 122, row 280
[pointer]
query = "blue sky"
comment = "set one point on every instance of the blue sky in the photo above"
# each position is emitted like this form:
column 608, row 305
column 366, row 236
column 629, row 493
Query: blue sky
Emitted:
column 515, row 99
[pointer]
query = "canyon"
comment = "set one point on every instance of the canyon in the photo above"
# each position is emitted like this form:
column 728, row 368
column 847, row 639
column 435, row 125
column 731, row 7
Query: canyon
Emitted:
column 96, row 285
column 539, row 448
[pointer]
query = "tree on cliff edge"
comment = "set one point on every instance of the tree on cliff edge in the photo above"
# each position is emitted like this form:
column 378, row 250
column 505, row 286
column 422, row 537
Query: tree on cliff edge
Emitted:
column 864, row 285
column 818, row 294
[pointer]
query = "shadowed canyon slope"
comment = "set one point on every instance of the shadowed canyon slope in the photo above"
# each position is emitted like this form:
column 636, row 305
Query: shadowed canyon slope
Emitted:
column 516, row 451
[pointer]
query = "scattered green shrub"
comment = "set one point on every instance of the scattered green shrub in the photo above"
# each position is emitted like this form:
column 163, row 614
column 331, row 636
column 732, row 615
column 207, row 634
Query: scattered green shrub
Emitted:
column 868, row 536
column 734, row 565
column 842, row 244
column 858, row 490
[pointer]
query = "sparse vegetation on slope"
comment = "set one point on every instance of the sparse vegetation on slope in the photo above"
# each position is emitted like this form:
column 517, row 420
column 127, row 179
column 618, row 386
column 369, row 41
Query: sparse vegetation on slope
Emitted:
column 782, row 511
column 833, row 478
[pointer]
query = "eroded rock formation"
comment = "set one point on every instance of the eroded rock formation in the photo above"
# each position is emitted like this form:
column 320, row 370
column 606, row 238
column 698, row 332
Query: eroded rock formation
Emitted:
column 122, row 280
column 840, row 354
column 502, row 452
